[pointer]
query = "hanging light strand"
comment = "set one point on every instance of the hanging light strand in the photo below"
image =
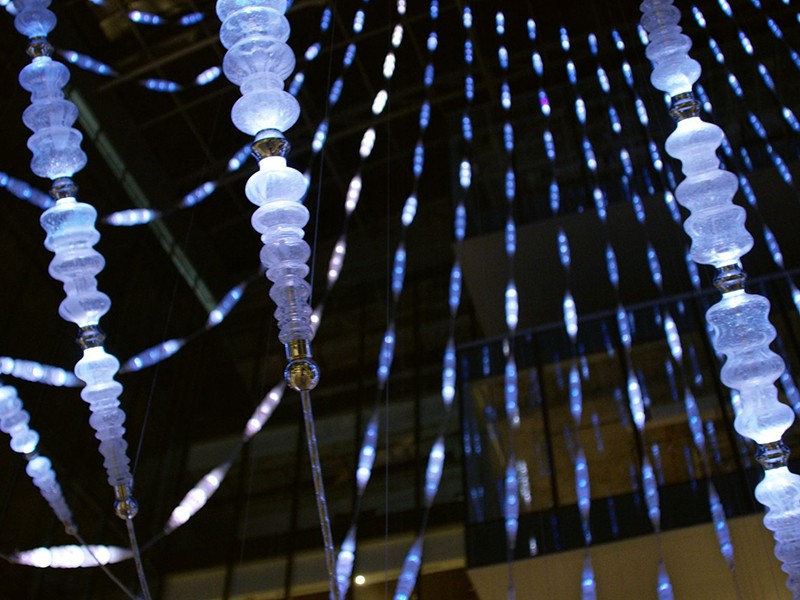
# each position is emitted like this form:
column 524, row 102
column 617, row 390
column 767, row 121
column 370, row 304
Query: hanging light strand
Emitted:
column 740, row 320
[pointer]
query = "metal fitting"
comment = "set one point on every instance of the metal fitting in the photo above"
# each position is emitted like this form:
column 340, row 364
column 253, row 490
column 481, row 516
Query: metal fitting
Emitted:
column 90, row 336
column 773, row 455
column 730, row 278
column 684, row 106
column 125, row 505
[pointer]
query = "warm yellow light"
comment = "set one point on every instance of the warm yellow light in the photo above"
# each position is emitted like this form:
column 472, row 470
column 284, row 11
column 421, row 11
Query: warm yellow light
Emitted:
column 360, row 580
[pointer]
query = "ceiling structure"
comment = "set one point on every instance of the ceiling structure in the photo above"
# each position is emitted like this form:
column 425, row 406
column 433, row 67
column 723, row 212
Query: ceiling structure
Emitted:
column 148, row 149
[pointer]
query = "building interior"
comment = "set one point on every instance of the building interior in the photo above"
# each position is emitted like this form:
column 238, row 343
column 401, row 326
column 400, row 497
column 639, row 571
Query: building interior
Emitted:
column 159, row 138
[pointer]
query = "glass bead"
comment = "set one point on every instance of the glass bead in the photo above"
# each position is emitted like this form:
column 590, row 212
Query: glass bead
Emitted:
column 265, row 109
column 253, row 21
column 227, row 7
column 258, row 54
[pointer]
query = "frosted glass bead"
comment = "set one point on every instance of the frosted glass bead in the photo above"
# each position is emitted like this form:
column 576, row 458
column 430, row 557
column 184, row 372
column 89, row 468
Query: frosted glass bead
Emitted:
column 96, row 366
column 718, row 235
column 69, row 224
column 44, row 78
column 657, row 14
column 277, row 213
column 56, row 152
column 55, row 113
column 694, row 142
column 265, row 109
column 226, row 7
column 258, row 54
column 274, row 181
column 293, row 250
column 711, row 189
column 35, row 20
column 676, row 74
column 253, row 21
column 25, row 442
column 291, row 290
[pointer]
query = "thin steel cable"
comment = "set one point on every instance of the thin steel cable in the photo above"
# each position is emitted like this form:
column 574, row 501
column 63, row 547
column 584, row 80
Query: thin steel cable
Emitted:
column 103, row 567
column 137, row 558
column 319, row 491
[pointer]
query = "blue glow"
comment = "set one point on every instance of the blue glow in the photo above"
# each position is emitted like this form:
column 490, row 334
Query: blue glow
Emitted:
column 131, row 217
column 655, row 157
column 511, row 389
column 336, row 91
column 153, row 355
column 225, row 305
column 87, row 63
column 511, row 238
column 502, row 57
column 465, row 174
column 766, row 77
column 699, row 17
column 549, row 145
column 544, row 102
column 627, row 72
column 434, row 11
column 580, row 110
column 199, row 194
column 625, row 159
column 749, row 194
column 716, row 50
column 349, row 56
column 531, row 24
column 773, row 247
column 624, row 326
column 790, row 118
column 555, row 196
column 429, row 72
column 735, row 85
column 600, row 203
column 238, row 159
column 773, row 27
column 641, row 112
column 386, row 355
column 563, row 249
column 454, row 289
column 468, row 56
column 638, row 208
column 726, row 8
column 538, row 65
column 25, row 191
column 642, row 34
column 469, row 88
column 620, row 45
column 612, row 267
column 312, row 51
column 145, row 18
column 460, row 222
column 510, row 185
column 747, row 46
column 466, row 17
column 500, row 23
column 358, row 21
column 572, row 74
column 616, row 126
column 191, row 19
column 466, row 127
column 320, row 135
column 588, row 154
column 564, row 39
column 297, row 83
column 508, row 137
column 602, row 78
column 505, row 96
column 161, row 85
column 207, row 76
column 398, row 271
column 655, row 266
column 424, row 115
column 419, row 159
column 592, row 39
column 325, row 21
column 433, row 42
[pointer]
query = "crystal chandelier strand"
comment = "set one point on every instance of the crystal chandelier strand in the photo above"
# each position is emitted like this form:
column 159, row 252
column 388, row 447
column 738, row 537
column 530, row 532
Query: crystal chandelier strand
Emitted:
column 741, row 328
column 258, row 60
column 71, row 235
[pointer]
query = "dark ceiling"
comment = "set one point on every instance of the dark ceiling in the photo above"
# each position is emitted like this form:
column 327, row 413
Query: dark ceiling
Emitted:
column 150, row 149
